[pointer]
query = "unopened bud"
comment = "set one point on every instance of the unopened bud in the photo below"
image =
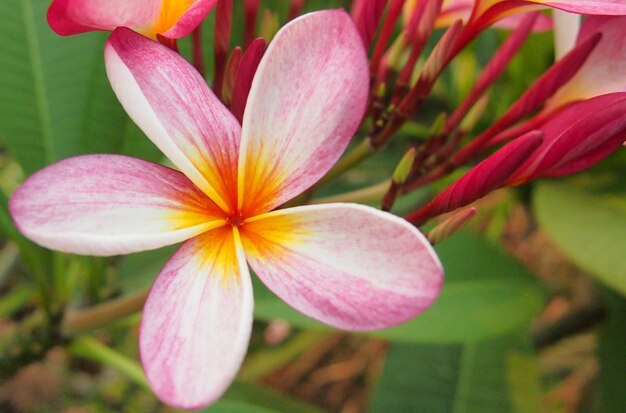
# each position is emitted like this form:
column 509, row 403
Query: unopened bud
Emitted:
column 269, row 25
column 451, row 225
column 475, row 113
column 437, row 126
column 230, row 73
column 396, row 51
column 402, row 171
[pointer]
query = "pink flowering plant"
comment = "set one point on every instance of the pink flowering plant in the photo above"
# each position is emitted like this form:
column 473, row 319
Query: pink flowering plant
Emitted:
column 219, row 128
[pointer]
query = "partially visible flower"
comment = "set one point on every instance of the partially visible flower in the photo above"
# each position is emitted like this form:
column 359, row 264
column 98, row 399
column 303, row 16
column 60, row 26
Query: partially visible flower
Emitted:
column 350, row 266
column 487, row 12
column 453, row 10
column 171, row 19
column 604, row 71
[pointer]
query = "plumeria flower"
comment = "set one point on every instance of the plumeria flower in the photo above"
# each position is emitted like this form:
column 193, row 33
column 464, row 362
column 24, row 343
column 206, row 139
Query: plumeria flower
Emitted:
column 347, row 265
column 604, row 71
column 453, row 10
column 171, row 19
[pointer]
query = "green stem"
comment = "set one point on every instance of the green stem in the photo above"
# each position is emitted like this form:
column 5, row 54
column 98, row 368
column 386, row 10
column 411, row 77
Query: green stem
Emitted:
column 352, row 158
column 103, row 314
column 370, row 194
column 91, row 349
column 264, row 361
column 15, row 300
column 8, row 257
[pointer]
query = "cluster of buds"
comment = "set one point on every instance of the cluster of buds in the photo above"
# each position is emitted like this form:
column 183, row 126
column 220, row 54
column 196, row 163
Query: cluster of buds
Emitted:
column 572, row 117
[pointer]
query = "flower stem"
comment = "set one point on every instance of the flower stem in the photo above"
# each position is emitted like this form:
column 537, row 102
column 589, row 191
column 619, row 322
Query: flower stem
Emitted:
column 370, row 194
column 351, row 159
column 80, row 320
column 91, row 349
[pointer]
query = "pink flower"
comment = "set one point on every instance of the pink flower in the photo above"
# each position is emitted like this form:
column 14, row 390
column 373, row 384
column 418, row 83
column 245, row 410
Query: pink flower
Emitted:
column 171, row 19
column 347, row 265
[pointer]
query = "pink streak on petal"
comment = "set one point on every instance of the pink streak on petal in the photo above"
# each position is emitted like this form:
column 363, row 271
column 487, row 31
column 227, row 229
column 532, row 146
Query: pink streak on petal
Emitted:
column 307, row 99
column 191, row 19
column 172, row 104
column 605, row 69
column 67, row 17
column 347, row 265
column 197, row 321
column 108, row 205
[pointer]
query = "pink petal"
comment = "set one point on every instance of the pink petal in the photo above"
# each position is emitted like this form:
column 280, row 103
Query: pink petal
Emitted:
column 566, row 29
column 170, row 18
column 197, row 321
column 487, row 12
column 347, row 265
column 67, row 17
column 307, row 99
column 454, row 10
column 605, row 69
column 171, row 102
column 191, row 19
column 604, row 7
column 110, row 204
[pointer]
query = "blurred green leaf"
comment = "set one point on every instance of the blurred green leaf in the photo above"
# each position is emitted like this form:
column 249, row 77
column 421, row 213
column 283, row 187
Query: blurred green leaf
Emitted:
column 498, row 375
column 55, row 100
column 138, row 271
column 612, row 337
column 486, row 293
column 91, row 349
column 234, row 406
column 586, row 217
column 262, row 398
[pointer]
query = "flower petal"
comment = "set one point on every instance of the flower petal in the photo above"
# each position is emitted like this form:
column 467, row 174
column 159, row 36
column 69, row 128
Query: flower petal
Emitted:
column 67, row 17
column 171, row 18
column 307, row 99
column 197, row 320
column 110, row 204
column 604, row 71
column 185, row 16
column 171, row 102
column 603, row 7
column 347, row 265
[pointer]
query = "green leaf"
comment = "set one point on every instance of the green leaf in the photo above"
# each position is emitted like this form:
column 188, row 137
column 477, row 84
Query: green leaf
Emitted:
column 234, row 406
column 612, row 337
column 263, row 398
column 586, row 218
column 486, row 293
column 91, row 349
column 55, row 100
column 498, row 375
column 138, row 271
